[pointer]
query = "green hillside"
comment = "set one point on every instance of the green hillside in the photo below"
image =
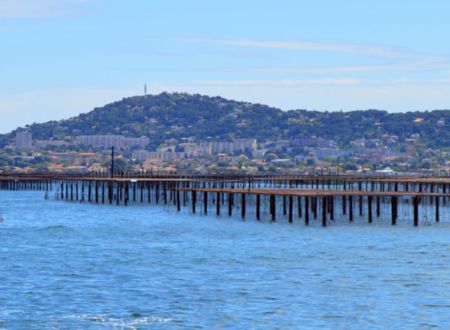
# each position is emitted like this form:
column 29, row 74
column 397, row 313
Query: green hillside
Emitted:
column 181, row 116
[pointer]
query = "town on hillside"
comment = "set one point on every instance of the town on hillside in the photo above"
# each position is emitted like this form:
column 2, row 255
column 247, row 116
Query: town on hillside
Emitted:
column 313, row 154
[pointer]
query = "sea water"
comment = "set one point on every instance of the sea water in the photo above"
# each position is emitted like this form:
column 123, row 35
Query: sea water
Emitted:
column 80, row 266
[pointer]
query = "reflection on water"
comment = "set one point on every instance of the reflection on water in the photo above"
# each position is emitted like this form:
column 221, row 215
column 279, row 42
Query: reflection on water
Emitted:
column 72, row 266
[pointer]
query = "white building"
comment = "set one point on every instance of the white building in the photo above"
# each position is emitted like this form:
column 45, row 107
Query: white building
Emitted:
column 237, row 146
column 50, row 143
column 108, row 141
column 194, row 150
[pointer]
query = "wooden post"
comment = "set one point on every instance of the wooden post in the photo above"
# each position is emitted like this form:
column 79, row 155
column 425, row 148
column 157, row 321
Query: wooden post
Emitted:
column 110, row 192
column 103, row 191
column 165, row 192
column 369, row 207
column 273, row 207
column 193, row 200
column 324, row 211
column 437, row 208
column 378, row 206
column 416, row 210
column 218, row 203
column 258, row 206
column 96, row 191
column 350, row 208
column 331, row 207
column 62, row 189
column 314, row 206
column 299, row 206
column 178, row 200
column 230, row 204
column 393, row 210
column 243, row 206
column 306, row 210
column 291, row 208
column 344, row 205
column 126, row 197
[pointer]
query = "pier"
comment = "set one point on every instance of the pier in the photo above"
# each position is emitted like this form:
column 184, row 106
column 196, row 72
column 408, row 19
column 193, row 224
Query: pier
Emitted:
column 304, row 199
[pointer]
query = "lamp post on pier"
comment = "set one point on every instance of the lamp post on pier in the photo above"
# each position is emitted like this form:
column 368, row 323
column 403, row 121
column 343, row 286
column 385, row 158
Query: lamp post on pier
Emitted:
column 112, row 162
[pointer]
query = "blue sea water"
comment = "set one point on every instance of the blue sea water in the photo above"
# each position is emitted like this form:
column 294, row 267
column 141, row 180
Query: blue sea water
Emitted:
column 80, row 266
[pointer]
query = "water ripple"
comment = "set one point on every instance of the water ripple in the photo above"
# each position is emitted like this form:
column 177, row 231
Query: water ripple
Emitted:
column 79, row 266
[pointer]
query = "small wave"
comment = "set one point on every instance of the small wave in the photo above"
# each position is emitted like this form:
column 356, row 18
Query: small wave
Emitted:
column 135, row 319
column 437, row 305
column 57, row 230
column 75, row 275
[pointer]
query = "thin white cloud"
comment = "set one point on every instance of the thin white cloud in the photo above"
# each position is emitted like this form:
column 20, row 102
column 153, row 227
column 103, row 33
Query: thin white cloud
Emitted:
column 401, row 67
column 306, row 45
column 440, row 67
column 402, row 59
column 13, row 9
column 397, row 60
column 283, row 82
column 355, row 82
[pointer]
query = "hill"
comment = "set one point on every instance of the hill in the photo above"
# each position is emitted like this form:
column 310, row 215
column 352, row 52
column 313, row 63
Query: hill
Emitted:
column 179, row 116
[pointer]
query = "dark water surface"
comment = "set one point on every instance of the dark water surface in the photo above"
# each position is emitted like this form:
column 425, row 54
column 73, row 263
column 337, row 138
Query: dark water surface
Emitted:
column 79, row 266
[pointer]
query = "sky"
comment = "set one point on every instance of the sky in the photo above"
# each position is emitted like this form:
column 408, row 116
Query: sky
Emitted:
column 59, row 58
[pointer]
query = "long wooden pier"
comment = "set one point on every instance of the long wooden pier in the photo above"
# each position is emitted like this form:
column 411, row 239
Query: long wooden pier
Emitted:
column 306, row 199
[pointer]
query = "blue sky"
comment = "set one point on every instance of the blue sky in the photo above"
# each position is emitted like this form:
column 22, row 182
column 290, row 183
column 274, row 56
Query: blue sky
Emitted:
column 59, row 58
